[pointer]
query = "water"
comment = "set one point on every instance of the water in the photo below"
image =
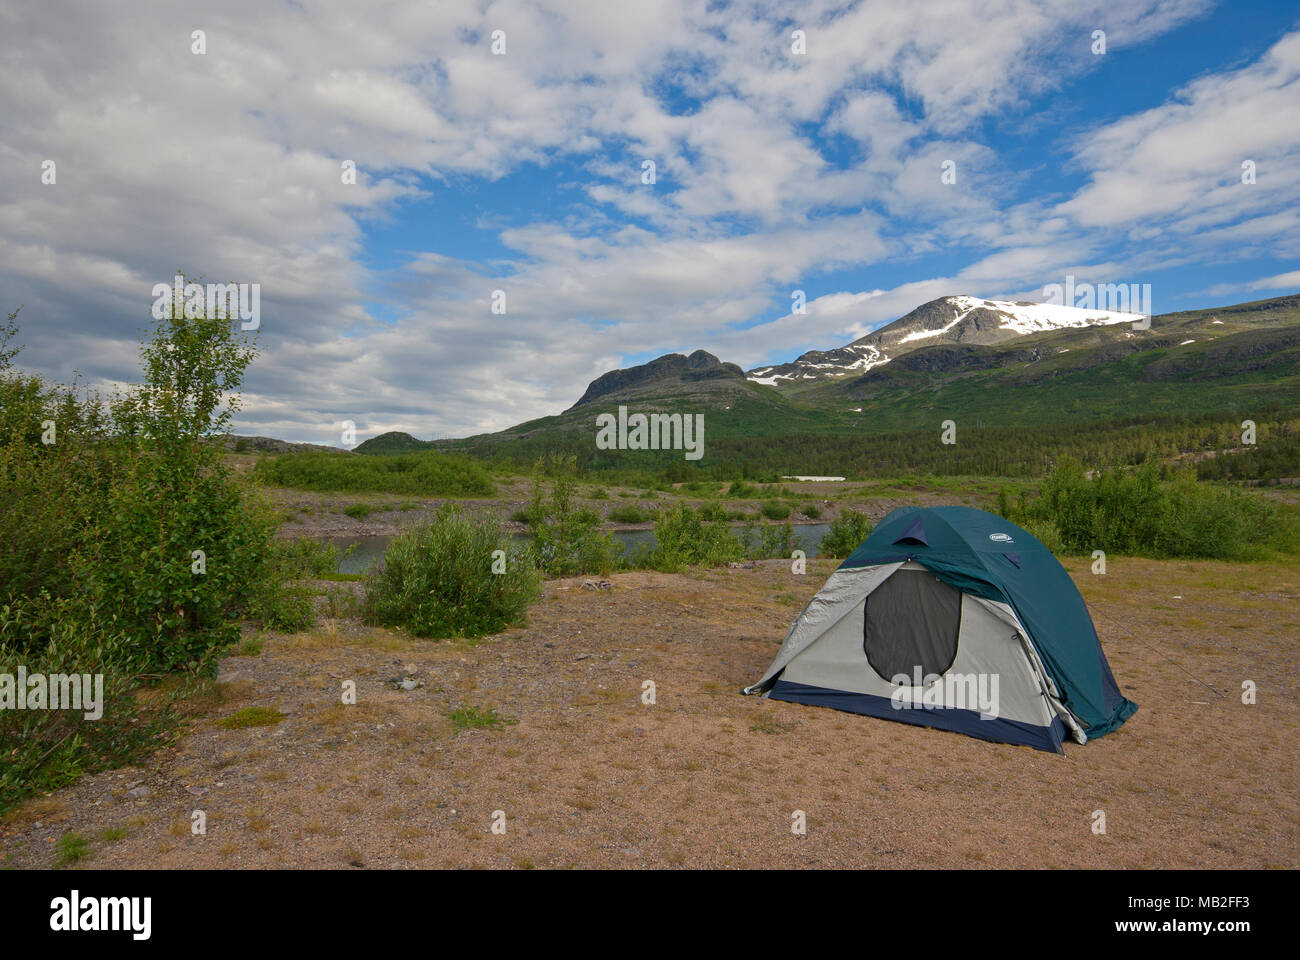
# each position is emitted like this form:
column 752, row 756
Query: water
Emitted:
column 366, row 550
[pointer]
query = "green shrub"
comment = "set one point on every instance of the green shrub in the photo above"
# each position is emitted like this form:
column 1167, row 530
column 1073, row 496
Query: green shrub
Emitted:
column 128, row 548
column 811, row 511
column 427, row 473
column 525, row 515
column 713, row 511
column 304, row 558
column 284, row 607
column 846, row 533
column 42, row 750
column 741, row 490
column 685, row 539
column 775, row 510
column 769, row 541
column 1046, row 532
column 1134, row 512
column 359, row 511
column 149, row 522
column 628, row 513
column 706, row 487
column 437, row 580
column 565, row 539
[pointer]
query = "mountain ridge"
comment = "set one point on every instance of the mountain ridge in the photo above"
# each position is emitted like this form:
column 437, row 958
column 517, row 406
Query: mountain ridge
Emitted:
column 952, row 319
column 1225, row 358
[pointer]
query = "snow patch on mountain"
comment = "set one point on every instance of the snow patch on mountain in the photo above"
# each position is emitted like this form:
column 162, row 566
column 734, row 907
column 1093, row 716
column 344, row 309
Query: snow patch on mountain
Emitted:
column 957, row 319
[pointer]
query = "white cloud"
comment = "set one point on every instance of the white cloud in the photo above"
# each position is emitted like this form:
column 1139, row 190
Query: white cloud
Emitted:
column 229, row 164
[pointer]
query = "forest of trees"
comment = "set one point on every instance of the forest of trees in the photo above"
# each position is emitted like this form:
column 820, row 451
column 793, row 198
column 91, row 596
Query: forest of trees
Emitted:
column 1213, row 442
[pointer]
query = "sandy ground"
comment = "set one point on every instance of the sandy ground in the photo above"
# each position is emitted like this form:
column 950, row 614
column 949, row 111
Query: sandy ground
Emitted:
column 587, row 775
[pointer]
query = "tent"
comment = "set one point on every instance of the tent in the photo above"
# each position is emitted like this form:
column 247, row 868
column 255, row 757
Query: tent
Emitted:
column 954, row 618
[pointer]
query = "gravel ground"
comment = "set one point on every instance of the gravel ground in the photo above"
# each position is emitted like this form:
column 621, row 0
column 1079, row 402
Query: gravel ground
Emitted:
column 586, row 774
column 317, row 515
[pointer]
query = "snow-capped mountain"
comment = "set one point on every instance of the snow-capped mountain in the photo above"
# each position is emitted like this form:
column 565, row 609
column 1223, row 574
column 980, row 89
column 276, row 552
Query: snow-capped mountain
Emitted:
column 958, row 319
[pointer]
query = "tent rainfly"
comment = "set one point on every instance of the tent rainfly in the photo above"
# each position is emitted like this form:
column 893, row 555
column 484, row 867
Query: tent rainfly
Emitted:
column 954, row 618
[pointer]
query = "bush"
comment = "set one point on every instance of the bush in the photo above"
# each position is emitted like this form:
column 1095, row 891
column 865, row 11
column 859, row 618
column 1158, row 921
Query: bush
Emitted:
column 772, row 540
column 713, row 511
column 428, row 473
column 1134, row 512
column 685, row 539
column 1046, row 532
column 742, row 491
column 437, row 579
column 525, row 515
column 128, row 548
column 811, row 511
column 566, row 540
column 846, row 533
column 304, row 558
column 42, row 750
column 628, row 513
column 775, row 510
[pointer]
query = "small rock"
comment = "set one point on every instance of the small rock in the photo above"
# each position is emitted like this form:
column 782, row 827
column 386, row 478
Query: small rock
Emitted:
column 137, row 793
column 582, row 656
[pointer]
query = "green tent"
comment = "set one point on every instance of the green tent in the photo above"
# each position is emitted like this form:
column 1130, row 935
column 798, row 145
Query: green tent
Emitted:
column 955, row 618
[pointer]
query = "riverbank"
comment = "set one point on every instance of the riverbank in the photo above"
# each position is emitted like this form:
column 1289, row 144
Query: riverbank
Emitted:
column 324, row 515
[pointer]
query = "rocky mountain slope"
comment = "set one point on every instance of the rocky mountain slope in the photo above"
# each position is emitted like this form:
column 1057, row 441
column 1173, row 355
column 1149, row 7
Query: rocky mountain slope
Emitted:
column 948, row 320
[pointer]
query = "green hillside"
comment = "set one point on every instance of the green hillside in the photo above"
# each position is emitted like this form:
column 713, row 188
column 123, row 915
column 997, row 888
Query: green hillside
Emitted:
column 1181, row 387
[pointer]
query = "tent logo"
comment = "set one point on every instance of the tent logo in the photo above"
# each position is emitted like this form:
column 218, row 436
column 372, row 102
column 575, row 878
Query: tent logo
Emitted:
column 1001, row 538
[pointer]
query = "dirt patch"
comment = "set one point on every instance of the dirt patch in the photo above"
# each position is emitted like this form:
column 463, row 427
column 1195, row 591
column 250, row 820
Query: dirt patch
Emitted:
column 547, row 725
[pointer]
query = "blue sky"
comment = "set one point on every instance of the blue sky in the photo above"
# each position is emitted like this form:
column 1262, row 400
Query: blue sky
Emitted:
column 521, row 171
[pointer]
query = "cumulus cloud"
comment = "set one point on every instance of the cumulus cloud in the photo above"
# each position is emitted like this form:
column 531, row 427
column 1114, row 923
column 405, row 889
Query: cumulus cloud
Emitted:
column 773, row 168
